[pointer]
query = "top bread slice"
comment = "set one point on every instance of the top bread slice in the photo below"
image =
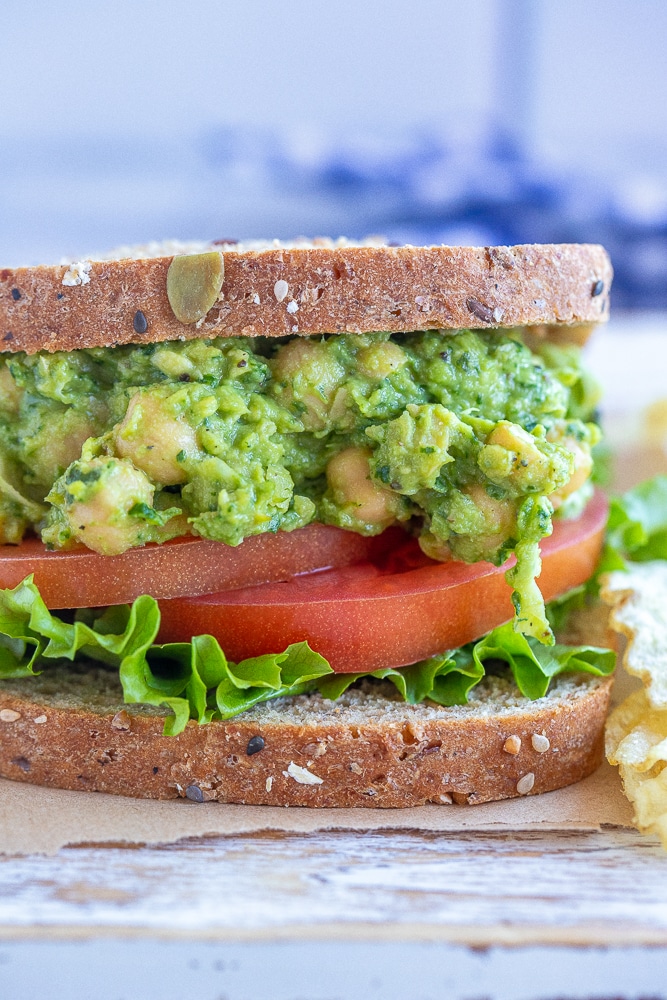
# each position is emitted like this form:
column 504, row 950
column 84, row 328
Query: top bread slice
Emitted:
column 278, row 290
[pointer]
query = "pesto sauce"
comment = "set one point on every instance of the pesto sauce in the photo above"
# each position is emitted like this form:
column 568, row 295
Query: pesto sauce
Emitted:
column 460, row 435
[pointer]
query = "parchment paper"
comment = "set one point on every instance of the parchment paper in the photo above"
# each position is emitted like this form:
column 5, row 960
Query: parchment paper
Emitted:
column 41, row 820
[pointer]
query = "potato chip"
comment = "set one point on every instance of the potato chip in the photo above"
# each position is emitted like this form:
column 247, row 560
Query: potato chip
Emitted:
column 638, row 598
column 648, row 793
column 636, row 736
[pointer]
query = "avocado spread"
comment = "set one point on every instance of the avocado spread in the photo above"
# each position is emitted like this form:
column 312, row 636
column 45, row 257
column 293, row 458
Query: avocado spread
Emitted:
column 471, row 439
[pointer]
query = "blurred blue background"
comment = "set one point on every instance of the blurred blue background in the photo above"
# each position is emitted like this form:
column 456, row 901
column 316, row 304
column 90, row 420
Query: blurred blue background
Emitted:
column 493, row 121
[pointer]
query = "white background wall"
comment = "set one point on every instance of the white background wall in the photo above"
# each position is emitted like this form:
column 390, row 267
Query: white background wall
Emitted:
column 105, row 106
column 591, row 71
column 601, row 82
column 171, row 65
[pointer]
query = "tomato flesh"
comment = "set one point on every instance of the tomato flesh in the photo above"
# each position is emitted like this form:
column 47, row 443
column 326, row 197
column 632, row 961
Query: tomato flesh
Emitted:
column 393, row 609
column 81, row 578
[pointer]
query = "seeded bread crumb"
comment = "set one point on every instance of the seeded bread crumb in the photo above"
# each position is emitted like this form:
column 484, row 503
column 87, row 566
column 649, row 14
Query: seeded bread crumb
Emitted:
column 170, row 248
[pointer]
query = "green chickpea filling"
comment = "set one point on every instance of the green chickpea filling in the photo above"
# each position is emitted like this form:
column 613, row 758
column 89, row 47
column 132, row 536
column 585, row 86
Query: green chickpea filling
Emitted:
column 470, row 439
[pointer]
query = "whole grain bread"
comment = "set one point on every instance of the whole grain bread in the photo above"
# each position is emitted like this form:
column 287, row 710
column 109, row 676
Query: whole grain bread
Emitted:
column 306, row 289
column 70, row 729
column 368, row 748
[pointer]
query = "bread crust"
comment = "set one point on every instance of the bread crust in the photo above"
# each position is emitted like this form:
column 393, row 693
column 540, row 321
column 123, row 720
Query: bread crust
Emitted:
column 368, row 749
column 347, row 289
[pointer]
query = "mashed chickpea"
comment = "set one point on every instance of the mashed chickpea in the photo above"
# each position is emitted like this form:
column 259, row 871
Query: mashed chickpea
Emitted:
column 515, row 459
column 231, row 437
column 10, row 393
column 100, row 504
column 57, row 444
column 583, row 465
column 307, row 377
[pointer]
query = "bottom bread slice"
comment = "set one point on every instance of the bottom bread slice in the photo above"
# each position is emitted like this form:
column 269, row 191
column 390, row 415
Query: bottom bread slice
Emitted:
column 69, row 729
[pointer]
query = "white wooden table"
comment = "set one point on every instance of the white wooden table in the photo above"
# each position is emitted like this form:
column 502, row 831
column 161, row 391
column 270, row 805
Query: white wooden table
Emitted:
column 415, row 916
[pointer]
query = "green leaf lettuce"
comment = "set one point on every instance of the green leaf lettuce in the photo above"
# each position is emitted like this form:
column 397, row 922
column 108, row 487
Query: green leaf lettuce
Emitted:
column 195, row 680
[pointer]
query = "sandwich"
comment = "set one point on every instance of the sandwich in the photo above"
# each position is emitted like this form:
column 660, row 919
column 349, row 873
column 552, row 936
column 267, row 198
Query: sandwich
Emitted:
column 302, row 524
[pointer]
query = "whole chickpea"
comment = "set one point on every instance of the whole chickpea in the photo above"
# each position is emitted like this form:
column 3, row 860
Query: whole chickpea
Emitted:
column 434, row 547
column 152, row 437
column 381, row 359
column 12, row 528
column 499, row 516
column 350, row 482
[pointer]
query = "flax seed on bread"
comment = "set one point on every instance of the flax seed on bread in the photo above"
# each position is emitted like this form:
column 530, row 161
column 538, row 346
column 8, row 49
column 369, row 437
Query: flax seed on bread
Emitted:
column 305, row 288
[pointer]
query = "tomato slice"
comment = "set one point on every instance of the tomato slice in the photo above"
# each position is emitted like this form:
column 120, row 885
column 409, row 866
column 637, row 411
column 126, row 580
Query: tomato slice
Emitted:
column 80, row 578
column 387, row 611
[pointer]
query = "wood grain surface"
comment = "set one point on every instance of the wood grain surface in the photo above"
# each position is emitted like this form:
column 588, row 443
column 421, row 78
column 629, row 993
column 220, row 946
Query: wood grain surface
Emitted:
column 476, row 888
column 347, row 914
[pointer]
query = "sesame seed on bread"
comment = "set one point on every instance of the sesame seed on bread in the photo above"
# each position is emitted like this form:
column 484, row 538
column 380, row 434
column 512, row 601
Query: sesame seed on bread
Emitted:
column 305, row 288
